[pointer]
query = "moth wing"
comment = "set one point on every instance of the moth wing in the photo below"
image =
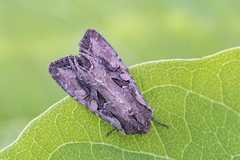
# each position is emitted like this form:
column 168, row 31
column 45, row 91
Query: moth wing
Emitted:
column 73, row 75
column 64, row 73
column 95, row 45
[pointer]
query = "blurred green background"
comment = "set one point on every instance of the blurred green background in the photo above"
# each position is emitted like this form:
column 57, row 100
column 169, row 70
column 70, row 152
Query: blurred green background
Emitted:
column 34, row 33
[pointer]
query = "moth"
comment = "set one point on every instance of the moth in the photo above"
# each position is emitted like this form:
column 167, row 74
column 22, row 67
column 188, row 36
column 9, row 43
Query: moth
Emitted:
column 100, row 81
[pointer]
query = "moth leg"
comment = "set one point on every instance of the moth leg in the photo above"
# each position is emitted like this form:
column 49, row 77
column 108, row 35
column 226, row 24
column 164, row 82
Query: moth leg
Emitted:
column 110, row 132
column 159, row 122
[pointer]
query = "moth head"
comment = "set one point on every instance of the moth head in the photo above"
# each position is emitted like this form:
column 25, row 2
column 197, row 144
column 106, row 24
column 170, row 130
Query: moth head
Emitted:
column 140, row 118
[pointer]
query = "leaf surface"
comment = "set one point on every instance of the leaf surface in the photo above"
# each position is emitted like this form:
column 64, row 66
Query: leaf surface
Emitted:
column 199, row 99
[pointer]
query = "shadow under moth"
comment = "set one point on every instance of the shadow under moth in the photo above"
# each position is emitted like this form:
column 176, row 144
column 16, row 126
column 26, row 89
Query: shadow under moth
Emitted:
column 100, row 81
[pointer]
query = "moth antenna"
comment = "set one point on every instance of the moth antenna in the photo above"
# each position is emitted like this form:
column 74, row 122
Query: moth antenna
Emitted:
column 110, row 132
column 159, row 122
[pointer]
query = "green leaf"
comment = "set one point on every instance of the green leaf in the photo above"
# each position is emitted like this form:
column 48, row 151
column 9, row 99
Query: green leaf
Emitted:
column 199, row 99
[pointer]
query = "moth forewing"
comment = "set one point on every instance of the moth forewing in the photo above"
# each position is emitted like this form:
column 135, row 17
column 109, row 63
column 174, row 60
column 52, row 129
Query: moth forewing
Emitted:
column 100, row 81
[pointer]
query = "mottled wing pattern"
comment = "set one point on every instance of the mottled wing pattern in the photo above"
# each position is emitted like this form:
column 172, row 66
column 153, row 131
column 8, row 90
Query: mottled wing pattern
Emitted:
column 99, row 80
column 95, row 45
